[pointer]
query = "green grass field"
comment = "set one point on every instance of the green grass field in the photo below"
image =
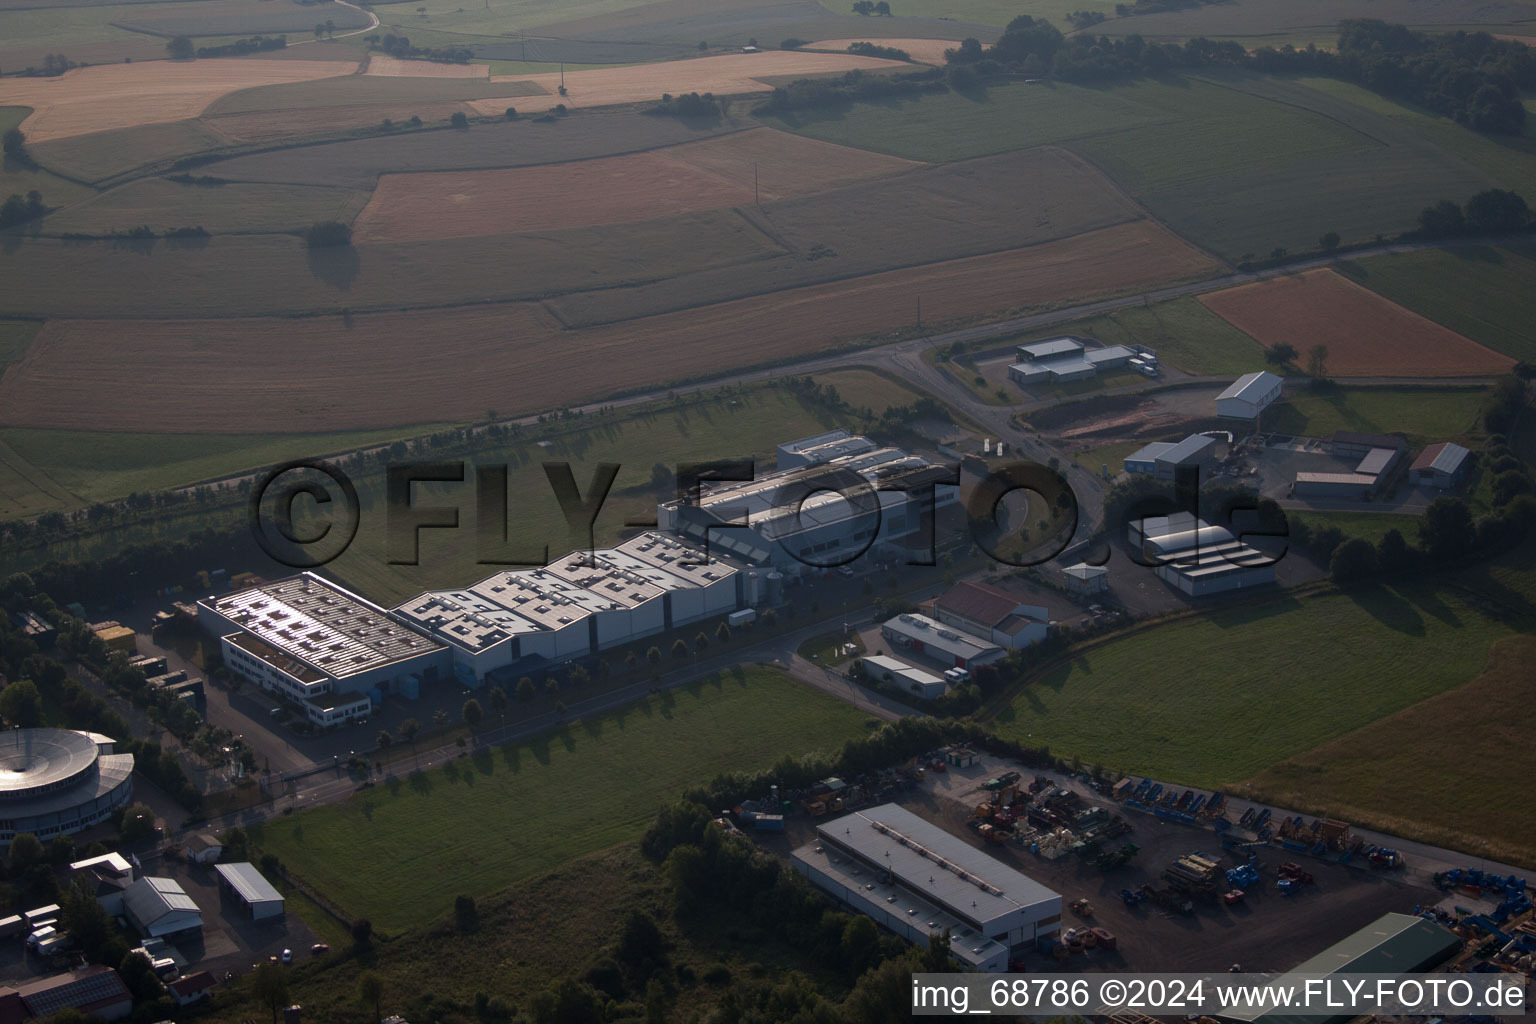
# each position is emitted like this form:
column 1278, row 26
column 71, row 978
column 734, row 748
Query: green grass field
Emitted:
column 1113, row 455
column 505, row 816
column 1182, row 332
column 868, row 389
column 1486, row 293
column 1371, row 526
column 102, row 155
column 1419, row 413
column 956, row 126
column 222, row 209
column 1220, row 698
column 17, row 178
column 100, row 466
column 1384, row 775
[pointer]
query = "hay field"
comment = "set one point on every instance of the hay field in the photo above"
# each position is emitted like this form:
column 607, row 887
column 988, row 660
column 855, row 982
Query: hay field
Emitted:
column 100, row 98
column 1380, row 776
column 384, row 66
column 1366, row 334
column 610, row 190
column 928, row 51
column 725, row 75
column 249, row 375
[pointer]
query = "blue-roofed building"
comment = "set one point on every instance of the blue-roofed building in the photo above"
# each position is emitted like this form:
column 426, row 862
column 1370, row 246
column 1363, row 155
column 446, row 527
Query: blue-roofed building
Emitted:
column 1163, row 459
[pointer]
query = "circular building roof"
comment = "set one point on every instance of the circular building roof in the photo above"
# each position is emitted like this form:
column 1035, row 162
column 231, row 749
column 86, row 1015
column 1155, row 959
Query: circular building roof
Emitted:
column 34, row 760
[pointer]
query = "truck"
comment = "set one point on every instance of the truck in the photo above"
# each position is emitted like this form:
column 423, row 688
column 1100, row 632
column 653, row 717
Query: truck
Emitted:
column 11, row 926
column 1002, row 781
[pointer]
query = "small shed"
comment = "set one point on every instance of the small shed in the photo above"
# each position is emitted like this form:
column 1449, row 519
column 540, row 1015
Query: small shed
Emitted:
column 248, row 887
column 1083, row 578
column 203, row 848
column 190, row 989
column 960, row 757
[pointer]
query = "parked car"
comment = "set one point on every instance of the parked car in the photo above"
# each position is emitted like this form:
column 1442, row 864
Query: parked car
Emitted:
column 287, row 956
column 319, row 948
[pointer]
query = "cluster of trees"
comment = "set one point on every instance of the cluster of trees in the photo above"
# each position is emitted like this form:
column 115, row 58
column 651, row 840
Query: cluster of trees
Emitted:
column 400, row 46
column 1471, row 77
column 864, row 49
column 18, row 210
column 852, row 87
column 53, row 64
column 240, row 47
column 1493, row 211
column 878, row 7
column 328, row 234
column 691, row 104
column 140, row 233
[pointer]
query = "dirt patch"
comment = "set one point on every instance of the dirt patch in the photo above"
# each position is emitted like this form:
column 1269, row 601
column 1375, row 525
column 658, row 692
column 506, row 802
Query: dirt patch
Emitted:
column 382, row 65
column 1366, row 334
column 254, row 374
column 729, row 74
column 928, row 51
column 99, row 98
column 609, row 190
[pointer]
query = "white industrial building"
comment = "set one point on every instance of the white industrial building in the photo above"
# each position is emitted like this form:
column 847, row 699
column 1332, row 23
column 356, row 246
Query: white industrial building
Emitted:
column 1064, row 359
column 250, row 889
column 1197, row 558
column 55, row 782
column 1163, row 459
column 945, row 646
column 790, row 521
column 585, row 602
column 330, row 652
column 159, row 907
column 990, row 613
column 1249, row 395
column 916, row 880
column 914, row 680
column 1440, row 465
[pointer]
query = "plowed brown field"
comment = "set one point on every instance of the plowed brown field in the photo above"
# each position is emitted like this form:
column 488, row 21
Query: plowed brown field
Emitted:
column 1366, row 335
column 327, row 373
column 697, row 176
column 110, row 96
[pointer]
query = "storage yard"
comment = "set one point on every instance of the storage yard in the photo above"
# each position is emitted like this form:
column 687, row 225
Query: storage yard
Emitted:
column 1163, row 878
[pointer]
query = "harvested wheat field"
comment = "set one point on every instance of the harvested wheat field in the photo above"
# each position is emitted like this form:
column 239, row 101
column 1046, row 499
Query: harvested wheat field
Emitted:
column 1366, row 335
column 384, row 66
column 725, row 75
column 110, row 96
column 705, row 175
column 928, row 51
column 255, row 375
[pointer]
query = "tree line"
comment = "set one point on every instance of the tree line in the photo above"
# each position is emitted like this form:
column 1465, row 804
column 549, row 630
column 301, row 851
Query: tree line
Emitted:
column 1469, row 76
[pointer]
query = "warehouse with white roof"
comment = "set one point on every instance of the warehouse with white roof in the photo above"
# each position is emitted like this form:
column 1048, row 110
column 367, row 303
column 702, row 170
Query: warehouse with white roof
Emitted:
column 159, row 907
column 942, row 644
column 248, row 887
column 587, row 601
column 1440, row 465
column 1249, row 395
column 917, row 880
column 1163, row 459
column 322, row 647
column 1197, row 558
column 1064, row 359
column 790, row 519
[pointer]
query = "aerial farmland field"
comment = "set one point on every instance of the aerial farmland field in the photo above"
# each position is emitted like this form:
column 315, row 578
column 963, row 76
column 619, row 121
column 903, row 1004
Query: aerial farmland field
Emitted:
column 641, row 186
column 67, row 380
column 219, row 209
column 1486, row 293
column 95, row 99
column 1365, row 335
column 1423, row 414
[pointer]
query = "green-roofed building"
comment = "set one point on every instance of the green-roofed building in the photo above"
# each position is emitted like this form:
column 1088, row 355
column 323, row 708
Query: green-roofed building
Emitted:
column 1394, row 944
